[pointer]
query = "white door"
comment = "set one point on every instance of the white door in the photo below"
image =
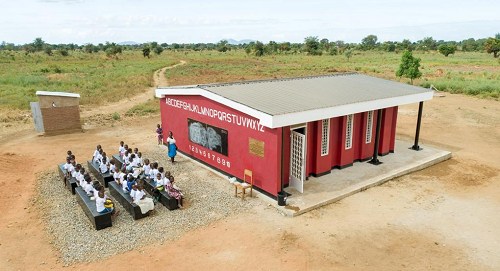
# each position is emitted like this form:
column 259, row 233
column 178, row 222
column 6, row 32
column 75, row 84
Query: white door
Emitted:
column 297, row 160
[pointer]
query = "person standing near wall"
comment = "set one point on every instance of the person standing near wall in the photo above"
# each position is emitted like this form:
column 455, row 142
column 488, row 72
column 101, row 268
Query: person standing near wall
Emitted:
column 159, row 131
column 172, row 147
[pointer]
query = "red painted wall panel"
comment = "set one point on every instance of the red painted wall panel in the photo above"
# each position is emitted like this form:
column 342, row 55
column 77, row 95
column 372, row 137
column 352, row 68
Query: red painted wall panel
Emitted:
column 393, row 131
column 385, row 131
column 266, row 171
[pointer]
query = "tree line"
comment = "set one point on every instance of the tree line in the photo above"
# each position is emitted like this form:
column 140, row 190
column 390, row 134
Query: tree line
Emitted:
column 312, row 46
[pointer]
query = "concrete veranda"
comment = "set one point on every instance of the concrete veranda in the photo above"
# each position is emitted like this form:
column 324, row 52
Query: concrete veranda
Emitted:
column 361, row 176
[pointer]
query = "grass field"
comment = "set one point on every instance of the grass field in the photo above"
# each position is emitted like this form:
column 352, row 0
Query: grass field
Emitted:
column 100, row 80
column 95, row 77
column 469, row 73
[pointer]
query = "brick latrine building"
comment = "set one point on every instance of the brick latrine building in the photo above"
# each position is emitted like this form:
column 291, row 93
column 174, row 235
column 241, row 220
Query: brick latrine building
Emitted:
column 56, row 112
column 285, row 130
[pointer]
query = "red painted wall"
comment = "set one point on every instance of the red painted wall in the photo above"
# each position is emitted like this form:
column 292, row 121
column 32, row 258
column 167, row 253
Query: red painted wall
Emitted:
column 388, row 130
column 266, row 171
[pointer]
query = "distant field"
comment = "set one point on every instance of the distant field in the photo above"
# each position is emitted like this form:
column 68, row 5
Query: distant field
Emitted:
column 469, row 73
column 95, row 77
column 101, row 80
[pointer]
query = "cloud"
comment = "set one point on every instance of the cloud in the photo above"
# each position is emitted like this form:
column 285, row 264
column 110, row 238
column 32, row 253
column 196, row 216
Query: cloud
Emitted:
column 62, row 1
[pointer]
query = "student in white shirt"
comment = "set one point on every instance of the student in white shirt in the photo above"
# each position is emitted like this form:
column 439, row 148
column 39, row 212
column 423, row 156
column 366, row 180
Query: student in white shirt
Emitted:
column 121, row 149
column 96, row 153
column 138, row 159
column 68, row 163
column 89, row 189
column 112, row 167
column 125, row 148
column 146, row 168
column 104, row 163
column 159, row 184
column 104, row 205
column 133, row 191
column 153, row 171
column 81, row 177
column 146, row 204
column 116, row 175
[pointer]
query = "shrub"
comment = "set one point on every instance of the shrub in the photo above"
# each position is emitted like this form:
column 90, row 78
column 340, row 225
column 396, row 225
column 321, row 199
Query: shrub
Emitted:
column 63, row 52
column 115, row 116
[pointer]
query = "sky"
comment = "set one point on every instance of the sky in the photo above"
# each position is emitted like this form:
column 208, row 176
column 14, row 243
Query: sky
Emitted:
column 193, row 21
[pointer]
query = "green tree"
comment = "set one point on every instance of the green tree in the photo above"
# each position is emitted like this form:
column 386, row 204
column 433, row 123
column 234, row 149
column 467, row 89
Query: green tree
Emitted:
column 222, row 46
column 89, row 48
column 409, row 67
column 64, row 52
column 28, row 49
column 348, row 54
column 469, row 45
column 446, row 49
column 158, row 50
column 47, row 49
column 146, row 51
column 492, row 45
column 324, row 44
column 428, row 43
column 38, row 44
column 248, row 50
column 389, row 46
column 369, row 42
column 333, row 51
column 312, row 46
column 258, row 48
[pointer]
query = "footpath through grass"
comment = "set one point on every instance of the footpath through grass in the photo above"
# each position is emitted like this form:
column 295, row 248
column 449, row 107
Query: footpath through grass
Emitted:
column 95, row 77
column 468, row 73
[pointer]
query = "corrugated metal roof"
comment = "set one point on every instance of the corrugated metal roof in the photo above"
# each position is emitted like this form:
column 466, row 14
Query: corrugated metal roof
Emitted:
column 290, row 95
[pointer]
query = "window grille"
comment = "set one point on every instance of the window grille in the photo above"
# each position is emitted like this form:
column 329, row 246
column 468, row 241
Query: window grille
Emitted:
column 369, row 127
column 325, row 137
column 348, row 131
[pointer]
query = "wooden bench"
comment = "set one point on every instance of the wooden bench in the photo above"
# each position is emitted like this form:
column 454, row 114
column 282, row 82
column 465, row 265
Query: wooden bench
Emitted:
column 71, row 184
column 118, row 160
column 165, row 199
column 124, row 198
column 100, row 221
column 104, row 179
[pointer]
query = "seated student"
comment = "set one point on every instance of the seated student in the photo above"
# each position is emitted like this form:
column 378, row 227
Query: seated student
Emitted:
column 166, row 179
column 153, row 171
column 125, row 148
column 69, row 153
column 159, row 186
column 121, row 149
column 97, row 187
column 174, row 192
column 116, row 175
column 131, row 163
column 133, row 190
column 146, row 204
column 68, row 163
column 76, row 171
column 99, row 157
column 81, row 177
column 71, row 169
column 146, row 168
column 89, row 188
column 125, row 159
column 124, row 182
column 104, row 163
column 96, row 153
column 138, row 159
column 112, row 167
column 136, row 151
column 105, row 205
column 160, row 170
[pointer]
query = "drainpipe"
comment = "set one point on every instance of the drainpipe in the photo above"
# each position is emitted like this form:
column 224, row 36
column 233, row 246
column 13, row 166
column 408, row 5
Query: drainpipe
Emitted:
column 375, row 160
column 415, row 146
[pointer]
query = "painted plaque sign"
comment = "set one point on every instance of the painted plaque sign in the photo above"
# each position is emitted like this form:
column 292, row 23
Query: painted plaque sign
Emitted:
column 256, row 147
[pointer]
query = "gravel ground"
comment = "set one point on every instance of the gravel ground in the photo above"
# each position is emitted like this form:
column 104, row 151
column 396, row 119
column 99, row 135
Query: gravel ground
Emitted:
column 207, row 198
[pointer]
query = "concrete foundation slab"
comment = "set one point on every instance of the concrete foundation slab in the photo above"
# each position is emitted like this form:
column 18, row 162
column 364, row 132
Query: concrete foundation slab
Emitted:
column 361, row 176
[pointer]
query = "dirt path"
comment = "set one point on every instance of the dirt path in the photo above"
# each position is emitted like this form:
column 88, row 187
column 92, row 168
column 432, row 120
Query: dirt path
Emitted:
column 441, row 218
column 159, row 81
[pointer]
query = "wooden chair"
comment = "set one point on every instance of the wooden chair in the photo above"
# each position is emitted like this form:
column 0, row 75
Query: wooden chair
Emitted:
column 245, row 185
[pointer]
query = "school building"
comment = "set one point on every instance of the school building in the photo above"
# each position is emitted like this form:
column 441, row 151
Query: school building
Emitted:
column 285, row 130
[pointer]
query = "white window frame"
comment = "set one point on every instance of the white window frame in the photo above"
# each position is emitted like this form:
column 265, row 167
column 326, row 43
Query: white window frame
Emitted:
column 369, row 127
column 348, row 131
column 325, row 146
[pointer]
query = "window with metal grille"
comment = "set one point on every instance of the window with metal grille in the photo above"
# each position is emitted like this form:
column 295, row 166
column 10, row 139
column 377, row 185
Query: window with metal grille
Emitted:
column 369, row 126
column 325, row 137
column 348, row 131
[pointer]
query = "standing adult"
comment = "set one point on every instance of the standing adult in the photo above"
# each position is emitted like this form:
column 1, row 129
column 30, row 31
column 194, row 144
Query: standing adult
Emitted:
column 172, row 147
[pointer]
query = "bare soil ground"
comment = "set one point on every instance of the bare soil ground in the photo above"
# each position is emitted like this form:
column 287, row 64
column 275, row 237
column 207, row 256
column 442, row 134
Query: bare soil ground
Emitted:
column 442, row 218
